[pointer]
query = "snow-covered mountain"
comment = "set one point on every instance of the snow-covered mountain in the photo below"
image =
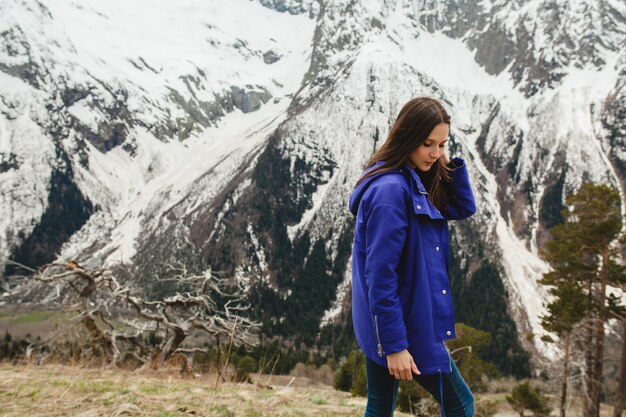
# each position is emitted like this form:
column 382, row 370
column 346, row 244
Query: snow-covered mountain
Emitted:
column 229, row 134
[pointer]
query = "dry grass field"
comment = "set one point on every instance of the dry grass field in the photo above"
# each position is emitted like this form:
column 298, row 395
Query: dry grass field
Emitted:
column 55, row 390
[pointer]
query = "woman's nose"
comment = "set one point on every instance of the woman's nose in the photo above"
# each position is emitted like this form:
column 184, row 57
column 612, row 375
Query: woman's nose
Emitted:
column 435, row 153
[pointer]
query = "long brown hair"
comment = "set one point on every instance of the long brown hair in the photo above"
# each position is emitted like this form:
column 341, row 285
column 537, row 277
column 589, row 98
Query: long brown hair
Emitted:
column 416, row 120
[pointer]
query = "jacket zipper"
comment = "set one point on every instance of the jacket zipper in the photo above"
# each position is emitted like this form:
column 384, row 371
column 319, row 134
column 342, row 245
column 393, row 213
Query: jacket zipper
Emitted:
column 380, row 346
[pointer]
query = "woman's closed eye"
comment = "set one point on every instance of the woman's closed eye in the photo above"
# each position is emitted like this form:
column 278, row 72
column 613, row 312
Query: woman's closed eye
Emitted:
column 429, row 144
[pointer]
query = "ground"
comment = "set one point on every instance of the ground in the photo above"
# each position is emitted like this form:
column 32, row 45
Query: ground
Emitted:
column 54, row 390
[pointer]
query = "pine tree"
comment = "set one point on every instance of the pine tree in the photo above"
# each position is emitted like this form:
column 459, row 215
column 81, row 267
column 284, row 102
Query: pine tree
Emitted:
column 582, row 256
column 618, row 407
column 618, row 275
column 466, row 349
column 566, row 310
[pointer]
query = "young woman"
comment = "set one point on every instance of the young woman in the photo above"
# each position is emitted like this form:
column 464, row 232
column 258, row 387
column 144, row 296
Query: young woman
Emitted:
column 401, row 304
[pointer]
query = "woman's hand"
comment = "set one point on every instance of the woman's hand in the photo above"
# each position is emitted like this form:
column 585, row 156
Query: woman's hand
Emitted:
column 401, row 365
column 444, row 157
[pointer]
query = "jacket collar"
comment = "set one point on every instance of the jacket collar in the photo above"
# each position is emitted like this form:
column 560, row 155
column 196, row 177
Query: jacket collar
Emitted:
column 416, row 181
column 419, row 196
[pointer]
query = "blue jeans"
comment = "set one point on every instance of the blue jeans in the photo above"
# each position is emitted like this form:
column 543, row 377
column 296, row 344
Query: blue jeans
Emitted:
column 382, row 391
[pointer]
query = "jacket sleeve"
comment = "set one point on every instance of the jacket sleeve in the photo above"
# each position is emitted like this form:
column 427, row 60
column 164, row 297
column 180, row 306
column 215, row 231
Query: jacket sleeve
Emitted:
column 462, row 204
column 386, row 231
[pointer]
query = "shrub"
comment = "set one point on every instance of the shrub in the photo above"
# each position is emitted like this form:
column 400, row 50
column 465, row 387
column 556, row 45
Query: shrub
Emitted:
column 359, row 386
column 525, row 397
column 348, row 370
column 244, row 366
column 485, row 409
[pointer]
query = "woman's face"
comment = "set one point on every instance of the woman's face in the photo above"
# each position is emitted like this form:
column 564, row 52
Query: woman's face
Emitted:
column 425, row 155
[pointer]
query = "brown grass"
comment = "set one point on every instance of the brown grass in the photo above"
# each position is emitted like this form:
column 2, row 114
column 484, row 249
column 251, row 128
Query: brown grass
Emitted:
column 55, row 390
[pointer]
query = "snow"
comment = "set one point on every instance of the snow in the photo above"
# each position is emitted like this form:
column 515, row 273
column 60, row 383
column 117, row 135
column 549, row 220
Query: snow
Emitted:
column 181, row 166
column 523, row 269
column 188, row 37
column 258, row 248
column 343, row 290
column 318, row 198
column 452, row 64
column 84, row 114
column 22, row 189
column 108, row 50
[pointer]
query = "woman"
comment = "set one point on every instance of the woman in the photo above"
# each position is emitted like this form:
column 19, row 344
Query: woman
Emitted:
column 401, row 303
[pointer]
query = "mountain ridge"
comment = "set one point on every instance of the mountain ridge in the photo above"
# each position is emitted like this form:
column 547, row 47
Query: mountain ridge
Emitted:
column 242, row 159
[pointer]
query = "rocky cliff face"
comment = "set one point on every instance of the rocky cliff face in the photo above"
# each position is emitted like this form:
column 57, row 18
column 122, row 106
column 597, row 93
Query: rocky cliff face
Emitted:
column 230, row 136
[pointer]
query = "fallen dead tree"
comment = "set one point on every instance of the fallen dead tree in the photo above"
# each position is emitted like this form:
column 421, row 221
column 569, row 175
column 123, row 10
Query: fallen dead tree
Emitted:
column 117, row 320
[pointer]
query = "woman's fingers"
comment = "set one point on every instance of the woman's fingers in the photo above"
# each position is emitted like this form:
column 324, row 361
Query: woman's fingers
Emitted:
column 445, row 157
column 414, row 368
column 401, row 365
column 402, row 373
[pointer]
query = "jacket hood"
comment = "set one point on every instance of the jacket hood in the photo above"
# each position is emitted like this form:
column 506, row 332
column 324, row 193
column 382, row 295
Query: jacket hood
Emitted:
column 357, row 193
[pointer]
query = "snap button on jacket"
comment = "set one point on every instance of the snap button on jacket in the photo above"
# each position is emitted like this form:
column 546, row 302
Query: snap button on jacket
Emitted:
column 400, row 289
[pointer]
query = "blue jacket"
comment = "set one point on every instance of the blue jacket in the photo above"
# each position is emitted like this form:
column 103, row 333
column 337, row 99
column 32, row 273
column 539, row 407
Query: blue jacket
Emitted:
column 400, row 291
